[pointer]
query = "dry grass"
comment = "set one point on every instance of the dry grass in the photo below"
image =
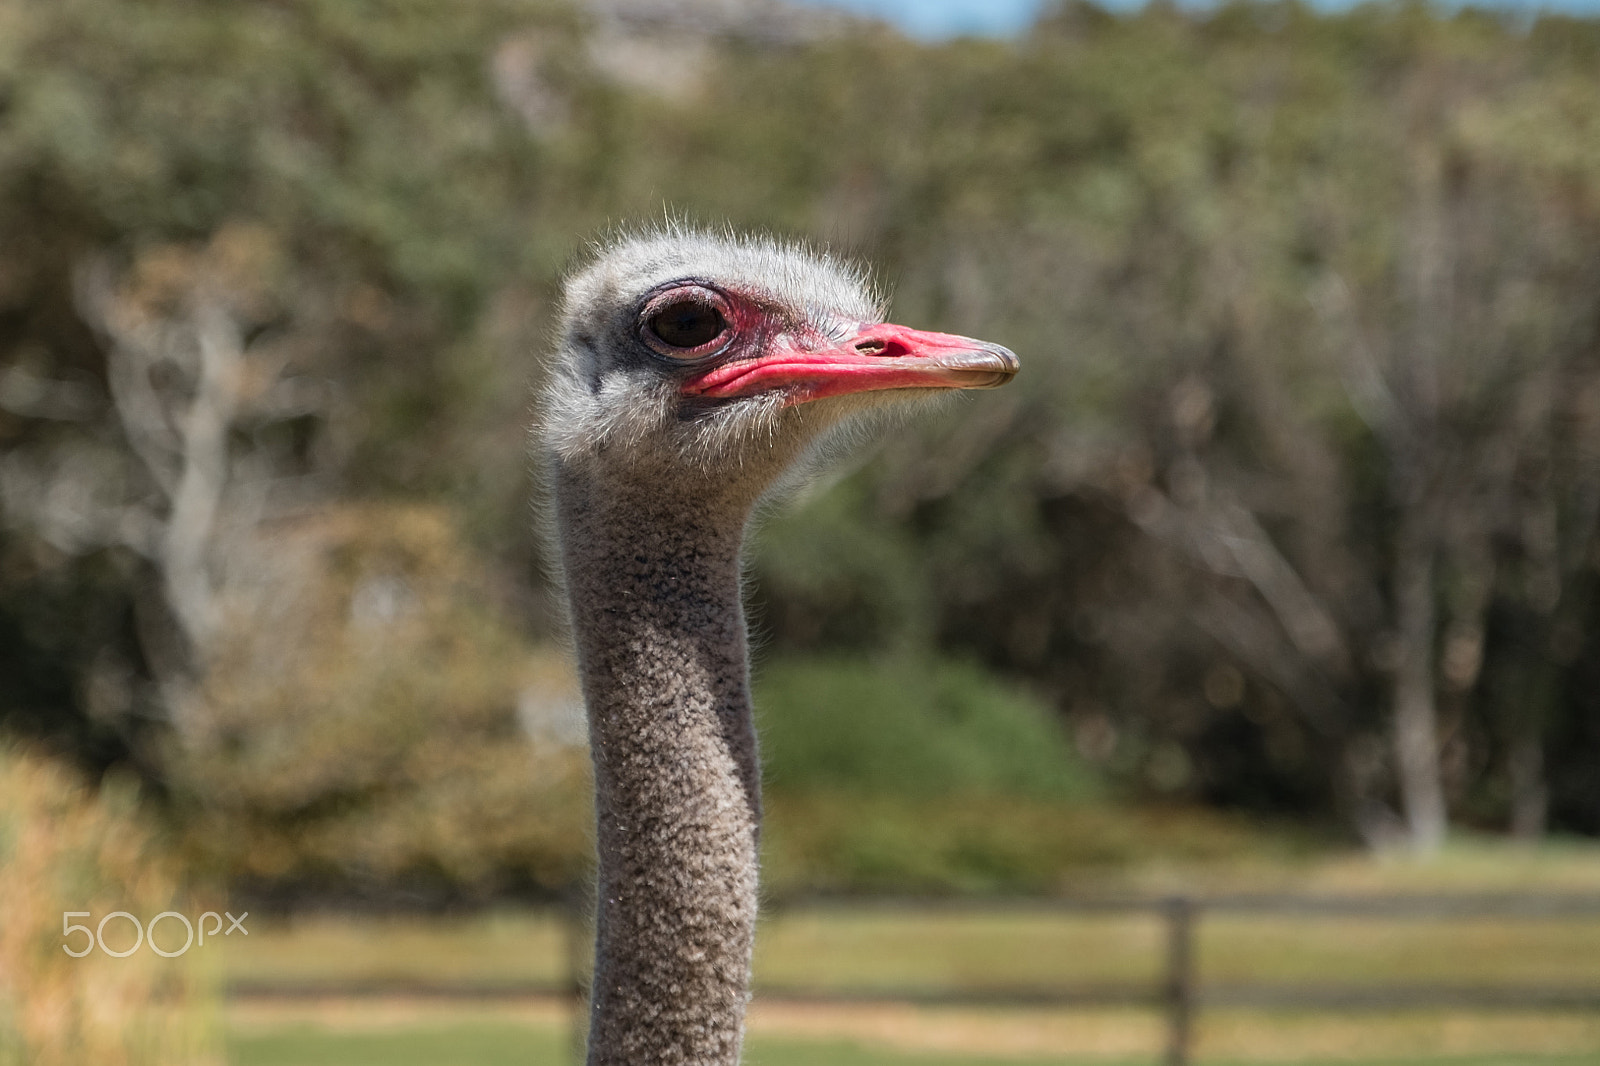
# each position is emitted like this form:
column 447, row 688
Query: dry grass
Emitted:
column 327, row 950
column 63, row 848
column 999, row 1033
column 1243, row 1036
column 1469, row 864
column 1466, row 952
column 932, row 950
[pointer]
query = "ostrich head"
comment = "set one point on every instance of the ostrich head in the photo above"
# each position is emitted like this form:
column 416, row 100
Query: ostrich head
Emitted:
column 691, row 356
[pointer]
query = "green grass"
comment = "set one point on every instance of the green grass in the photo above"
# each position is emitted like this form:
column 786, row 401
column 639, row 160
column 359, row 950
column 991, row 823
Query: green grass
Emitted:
column 482, row 1044
column 489, row 1044
column 820, row 1053
column 505, row 1045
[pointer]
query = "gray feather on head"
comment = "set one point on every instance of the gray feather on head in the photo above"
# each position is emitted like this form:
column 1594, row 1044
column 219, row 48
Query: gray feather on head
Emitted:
column 608, row 391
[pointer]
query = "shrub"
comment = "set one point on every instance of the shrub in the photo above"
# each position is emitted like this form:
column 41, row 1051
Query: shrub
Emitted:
column 65, row 848
column 913, row 773
column 911, row 727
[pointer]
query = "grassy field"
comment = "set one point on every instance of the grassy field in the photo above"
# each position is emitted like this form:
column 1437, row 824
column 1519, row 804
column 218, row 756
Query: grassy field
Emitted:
column 871, row 947
column 399, row 1033
column 868, row 947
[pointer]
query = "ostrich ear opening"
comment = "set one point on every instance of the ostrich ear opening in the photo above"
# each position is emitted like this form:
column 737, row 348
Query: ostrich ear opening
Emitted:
column 878, row 357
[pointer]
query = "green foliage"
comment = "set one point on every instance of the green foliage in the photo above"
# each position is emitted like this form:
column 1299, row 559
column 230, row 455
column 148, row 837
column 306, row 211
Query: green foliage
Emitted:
column 934, row 775
column 365, row 138
column 910, row 728
column 832, row 577
column 1156, row 209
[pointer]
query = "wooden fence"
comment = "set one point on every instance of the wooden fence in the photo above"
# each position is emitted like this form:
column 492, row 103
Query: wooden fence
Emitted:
column 1178, row 993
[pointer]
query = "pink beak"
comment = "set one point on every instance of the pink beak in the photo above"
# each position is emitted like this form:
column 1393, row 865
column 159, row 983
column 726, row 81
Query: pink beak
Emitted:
column 883, row 356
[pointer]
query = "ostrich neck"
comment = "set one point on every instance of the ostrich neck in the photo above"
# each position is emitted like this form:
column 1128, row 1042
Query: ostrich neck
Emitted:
column 654, row 587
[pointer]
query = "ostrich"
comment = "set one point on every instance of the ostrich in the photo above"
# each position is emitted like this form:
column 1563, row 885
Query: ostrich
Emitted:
column 693, row 372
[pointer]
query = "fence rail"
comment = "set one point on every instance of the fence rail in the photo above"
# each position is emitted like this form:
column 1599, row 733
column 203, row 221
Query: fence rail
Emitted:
column 1178, row 992
column 1181, row 995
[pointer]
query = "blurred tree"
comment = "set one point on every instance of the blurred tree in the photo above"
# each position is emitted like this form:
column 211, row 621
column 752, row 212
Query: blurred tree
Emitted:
column 367, row 720
column 1293, row 509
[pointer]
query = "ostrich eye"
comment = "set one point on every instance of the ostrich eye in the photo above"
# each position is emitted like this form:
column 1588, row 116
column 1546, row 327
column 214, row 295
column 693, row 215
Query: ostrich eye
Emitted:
column 687, row 324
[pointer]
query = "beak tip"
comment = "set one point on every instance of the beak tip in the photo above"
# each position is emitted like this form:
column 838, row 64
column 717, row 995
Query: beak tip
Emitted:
column 1001, row 361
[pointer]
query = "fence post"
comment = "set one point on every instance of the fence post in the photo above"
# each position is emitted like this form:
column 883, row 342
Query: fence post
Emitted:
column 1179, row 991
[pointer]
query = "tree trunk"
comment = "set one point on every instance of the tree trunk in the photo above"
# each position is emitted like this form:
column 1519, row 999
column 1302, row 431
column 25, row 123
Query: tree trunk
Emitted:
column 1416, row 739
column 1530, row 797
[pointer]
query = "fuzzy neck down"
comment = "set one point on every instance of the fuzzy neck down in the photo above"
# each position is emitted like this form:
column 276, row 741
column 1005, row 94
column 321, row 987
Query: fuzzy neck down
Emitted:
column 655, row 598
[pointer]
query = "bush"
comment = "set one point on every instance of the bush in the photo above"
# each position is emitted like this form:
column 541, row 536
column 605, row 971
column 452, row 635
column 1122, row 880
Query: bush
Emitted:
column 919, row 774
column 63, row 848
column 913, row 728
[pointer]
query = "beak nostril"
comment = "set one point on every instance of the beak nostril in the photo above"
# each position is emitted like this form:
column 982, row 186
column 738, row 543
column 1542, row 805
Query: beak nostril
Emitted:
column 879, row 346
